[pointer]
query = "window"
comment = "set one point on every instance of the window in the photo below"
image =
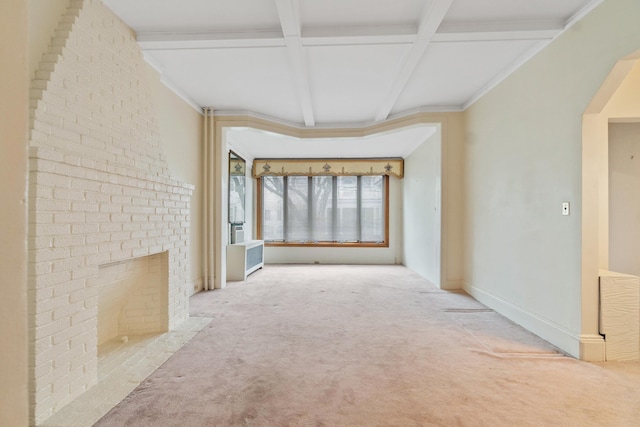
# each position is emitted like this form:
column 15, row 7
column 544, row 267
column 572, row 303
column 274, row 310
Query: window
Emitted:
column 324, row 210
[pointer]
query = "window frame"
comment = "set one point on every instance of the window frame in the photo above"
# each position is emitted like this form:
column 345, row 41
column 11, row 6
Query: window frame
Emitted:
column 260, row 213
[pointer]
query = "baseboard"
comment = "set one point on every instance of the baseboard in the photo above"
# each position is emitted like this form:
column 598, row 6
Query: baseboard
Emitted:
column 568, row 341
column 592, row 348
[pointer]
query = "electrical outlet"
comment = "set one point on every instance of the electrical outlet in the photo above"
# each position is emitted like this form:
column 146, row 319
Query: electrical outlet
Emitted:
column 565, row 208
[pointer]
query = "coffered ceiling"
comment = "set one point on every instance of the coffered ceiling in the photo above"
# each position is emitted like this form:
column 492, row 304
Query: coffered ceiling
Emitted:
column 340, row 63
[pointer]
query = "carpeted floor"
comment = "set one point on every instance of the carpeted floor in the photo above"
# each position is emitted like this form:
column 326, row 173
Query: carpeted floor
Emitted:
column 370, row 346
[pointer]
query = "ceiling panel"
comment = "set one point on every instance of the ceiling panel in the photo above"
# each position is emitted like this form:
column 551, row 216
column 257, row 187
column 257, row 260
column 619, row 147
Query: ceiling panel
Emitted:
column 450, row 74
column 196, row 15
column 336, row 13
column 521, row 11
column 348, row 83
column 256, row 80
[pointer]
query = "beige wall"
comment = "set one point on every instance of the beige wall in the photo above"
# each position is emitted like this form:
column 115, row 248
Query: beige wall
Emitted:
column 453, row 143
column 181, row 142
column 625, row 102
column 522, row 160
column 44, row 17
column 13, row 245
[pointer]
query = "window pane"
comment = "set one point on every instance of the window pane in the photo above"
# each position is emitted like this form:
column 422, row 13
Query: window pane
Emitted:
column 297, row 209
column 372, row 215
column 322, row 209
column 272, row 215
column 347, row 209
column 236, row 198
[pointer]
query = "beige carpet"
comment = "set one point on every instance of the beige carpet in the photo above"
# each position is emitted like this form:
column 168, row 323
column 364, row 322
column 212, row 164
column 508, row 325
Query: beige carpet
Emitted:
column 370, row 346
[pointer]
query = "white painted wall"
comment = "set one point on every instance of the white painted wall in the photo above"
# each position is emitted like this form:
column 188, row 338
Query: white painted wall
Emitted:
column 421, row 209
column 522, row 160
column 14, row 116
column 624, row 205
column 333, row 255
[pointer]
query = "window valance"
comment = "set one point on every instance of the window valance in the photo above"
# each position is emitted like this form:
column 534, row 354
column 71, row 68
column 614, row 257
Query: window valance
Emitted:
column 334, row 167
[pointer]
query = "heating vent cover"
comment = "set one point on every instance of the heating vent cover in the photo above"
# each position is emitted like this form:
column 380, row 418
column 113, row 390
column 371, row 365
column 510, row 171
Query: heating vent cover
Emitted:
column 254, row 256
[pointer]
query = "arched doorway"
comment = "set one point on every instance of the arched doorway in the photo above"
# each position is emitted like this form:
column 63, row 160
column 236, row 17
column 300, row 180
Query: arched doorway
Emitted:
column 618, row 99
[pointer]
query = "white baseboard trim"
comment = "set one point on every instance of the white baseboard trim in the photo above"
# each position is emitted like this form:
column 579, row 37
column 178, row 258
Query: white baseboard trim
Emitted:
column 567, row 341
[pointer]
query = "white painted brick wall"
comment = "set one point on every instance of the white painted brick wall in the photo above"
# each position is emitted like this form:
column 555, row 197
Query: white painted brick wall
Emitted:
column 100, row 193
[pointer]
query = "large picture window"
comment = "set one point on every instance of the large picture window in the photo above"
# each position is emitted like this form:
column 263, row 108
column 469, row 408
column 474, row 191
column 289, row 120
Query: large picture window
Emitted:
column 324, row 210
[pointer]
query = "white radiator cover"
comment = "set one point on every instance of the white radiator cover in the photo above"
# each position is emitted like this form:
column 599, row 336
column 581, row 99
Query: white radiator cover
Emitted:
column 244, row 258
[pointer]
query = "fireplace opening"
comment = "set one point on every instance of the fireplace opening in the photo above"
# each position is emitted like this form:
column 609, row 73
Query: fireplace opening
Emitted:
column 132, row 297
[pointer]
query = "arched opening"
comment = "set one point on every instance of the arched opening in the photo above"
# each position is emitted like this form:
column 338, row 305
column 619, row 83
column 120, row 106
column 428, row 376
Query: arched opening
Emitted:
column 617, row 100
column 437, row 246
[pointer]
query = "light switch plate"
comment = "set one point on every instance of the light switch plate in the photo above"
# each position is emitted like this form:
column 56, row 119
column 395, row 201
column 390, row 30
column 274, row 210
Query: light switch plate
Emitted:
column 565, row 208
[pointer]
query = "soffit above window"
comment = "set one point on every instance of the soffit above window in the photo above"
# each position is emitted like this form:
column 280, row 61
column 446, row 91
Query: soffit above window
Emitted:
column 333, row 167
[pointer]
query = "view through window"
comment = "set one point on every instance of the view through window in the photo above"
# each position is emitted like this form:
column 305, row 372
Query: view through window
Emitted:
column 324, row 209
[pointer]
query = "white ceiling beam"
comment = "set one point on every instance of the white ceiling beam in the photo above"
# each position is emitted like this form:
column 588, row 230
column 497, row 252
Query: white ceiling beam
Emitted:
column 358, row 40
column 431, row 19
column 209, row 40
column 495, row 36
column 289, row 14
column 329, row 36
column 359, row 35
column 500, row 26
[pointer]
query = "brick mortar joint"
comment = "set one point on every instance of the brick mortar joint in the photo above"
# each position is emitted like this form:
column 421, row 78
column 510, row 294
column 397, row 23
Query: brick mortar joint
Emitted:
column 34, row 154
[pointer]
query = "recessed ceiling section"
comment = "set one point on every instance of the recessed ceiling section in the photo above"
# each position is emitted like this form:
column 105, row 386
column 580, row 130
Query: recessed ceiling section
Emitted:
column 212, row 77
column 360, row 13
column 258, row 144
column 349, row 82
column 451, row 73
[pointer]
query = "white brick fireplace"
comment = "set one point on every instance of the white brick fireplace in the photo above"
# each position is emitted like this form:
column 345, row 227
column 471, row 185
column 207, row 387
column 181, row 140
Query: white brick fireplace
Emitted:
column 104, row 211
